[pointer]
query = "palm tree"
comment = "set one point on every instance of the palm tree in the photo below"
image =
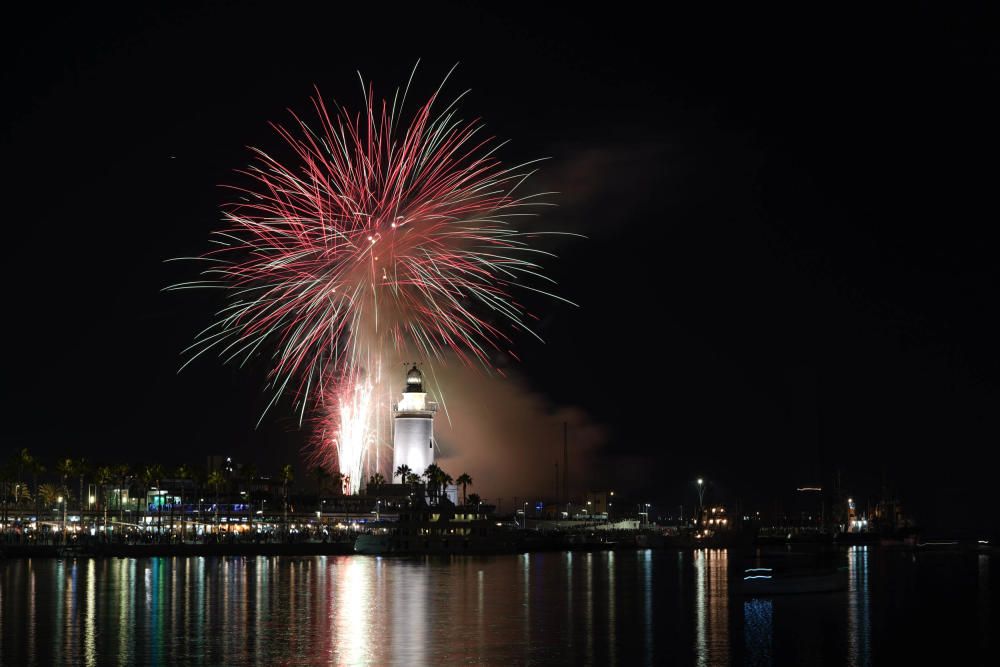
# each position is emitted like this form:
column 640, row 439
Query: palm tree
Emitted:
column 21, row 492
column 49, row 494
column 12, row 488
column 200, row 478
column 217, row 481
column 36, row 469
column 402, row 472
column 122, row 474
column 431, row 474
column 183, row 473
column 65, row 469
column 376, row 480
column 412, row 478
column 321, row 475
column 105, row 474
column 465, row 481
column 249, row 474
column 474, row 499
column 287, row 476
column 23, row 461
column 150, row 476
column 446, row 481
column 437, row 480
column 80, row 469
column 6, row 477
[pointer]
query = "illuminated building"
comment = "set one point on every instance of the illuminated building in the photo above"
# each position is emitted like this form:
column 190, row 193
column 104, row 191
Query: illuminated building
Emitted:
column 413, row 426
column 855, row 523
column 714, row 519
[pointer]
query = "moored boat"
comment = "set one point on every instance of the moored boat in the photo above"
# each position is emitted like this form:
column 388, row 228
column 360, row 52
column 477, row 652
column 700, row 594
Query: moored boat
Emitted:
column 373, row 544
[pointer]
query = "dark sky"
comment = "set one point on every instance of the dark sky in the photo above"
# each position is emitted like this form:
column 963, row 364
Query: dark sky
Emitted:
column 791, row 266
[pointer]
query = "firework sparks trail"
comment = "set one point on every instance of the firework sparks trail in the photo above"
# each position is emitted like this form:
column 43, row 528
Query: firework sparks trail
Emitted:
column 346, row 425
column 377, row 238
column 351, row 431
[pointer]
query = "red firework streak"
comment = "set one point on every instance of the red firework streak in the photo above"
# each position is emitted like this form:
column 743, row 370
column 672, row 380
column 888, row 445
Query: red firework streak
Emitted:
column 377, row 237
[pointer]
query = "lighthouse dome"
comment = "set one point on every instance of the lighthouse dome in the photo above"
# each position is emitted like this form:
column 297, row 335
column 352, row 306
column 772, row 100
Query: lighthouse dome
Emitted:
column 414, row 381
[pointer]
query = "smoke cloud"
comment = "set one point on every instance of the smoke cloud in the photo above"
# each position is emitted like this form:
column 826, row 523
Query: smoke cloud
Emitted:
column 509, row 438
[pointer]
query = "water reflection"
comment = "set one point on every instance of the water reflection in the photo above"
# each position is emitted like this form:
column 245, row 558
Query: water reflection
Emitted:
column 858, row 607
column 629, row 608
column 711, row 579
column 758, row 630
column 568, row 593
column 525, row 574
column 90, row 629
column 32, row 596
column 612, row 640
column 408, row 628
column 589, row 601
column 350, row 614
column 646, row 585
column 985, row 598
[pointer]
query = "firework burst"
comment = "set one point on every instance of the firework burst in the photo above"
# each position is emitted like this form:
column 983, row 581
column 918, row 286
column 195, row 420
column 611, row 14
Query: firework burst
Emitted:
column 345, row 435
column 378, row 237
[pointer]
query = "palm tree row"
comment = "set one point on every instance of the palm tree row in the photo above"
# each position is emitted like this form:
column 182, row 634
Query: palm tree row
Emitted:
column 114, row 484
column 437, row 480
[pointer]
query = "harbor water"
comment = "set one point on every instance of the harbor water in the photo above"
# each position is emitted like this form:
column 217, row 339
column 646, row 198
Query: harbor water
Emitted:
column 644, row 607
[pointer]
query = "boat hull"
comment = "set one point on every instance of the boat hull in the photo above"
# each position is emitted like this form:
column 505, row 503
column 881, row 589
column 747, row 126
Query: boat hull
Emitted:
column 373, row 544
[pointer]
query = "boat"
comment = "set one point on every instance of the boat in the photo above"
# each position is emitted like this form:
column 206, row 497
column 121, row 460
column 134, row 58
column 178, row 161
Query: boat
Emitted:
column 368, row 543
column 69, row 551
column 768, row 581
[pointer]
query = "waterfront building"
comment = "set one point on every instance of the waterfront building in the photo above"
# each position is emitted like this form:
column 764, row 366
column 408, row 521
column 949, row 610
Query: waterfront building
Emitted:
column 596, row 503
column 715, row 518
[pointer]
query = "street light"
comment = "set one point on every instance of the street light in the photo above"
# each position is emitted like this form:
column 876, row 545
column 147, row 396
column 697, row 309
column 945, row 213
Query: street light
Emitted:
column 63, row 501
column 701, row 497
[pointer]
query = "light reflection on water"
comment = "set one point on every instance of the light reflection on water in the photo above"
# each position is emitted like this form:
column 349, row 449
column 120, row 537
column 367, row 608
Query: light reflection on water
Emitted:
column 758, row 625
column 711, row 577
column 589, row 601
column 643, row 607
column 858, row 607
column 646, row 586
column 986, row 626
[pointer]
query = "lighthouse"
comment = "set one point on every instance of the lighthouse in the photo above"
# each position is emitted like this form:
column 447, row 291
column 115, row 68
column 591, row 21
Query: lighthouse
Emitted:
column 413, row 432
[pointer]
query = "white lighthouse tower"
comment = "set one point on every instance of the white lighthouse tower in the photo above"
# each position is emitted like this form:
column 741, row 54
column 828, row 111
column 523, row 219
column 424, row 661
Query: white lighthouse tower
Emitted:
column 413, row 432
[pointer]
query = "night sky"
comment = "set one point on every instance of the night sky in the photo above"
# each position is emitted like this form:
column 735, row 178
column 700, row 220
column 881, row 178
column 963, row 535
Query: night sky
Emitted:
column 791, row 264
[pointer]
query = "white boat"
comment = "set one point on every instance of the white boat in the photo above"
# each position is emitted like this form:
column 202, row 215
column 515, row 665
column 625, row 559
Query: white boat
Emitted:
column 767, row 581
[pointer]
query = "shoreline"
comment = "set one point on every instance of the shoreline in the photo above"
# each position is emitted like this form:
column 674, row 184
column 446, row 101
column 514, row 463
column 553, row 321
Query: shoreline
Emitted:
column 343, row 548
column 175, row 550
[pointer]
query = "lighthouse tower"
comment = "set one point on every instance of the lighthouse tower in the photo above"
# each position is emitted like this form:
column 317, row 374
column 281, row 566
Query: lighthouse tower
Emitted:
column 413, row 432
